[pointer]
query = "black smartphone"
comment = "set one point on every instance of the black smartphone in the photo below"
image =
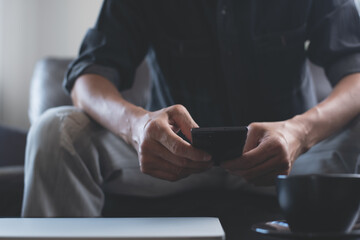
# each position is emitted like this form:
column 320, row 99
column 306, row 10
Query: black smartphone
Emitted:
column 223, row 143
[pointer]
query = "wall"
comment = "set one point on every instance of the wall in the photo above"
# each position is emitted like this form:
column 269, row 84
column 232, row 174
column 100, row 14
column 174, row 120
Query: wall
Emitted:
column 1, row 57
column 29, row 31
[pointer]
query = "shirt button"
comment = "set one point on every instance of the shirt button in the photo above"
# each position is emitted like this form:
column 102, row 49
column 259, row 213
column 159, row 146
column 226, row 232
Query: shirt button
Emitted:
column 224, row 11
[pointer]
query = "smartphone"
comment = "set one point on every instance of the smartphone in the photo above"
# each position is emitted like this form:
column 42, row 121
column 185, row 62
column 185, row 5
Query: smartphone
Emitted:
column 223, row 143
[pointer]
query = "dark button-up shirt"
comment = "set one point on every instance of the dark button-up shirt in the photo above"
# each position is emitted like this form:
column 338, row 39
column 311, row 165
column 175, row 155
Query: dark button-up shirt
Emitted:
column 229, row 62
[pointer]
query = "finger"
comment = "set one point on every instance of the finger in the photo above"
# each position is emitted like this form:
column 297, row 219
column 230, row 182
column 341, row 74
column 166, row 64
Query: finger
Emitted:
column 159, row 150
column 246, row 162
column 249, row 174
column 265, row 150
column 178, row 146
column 274, row 164
column 252, row 139
column 160, row 168
column 182, row 119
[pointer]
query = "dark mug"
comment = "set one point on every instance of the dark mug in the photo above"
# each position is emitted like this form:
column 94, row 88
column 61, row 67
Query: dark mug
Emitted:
column 319, row 203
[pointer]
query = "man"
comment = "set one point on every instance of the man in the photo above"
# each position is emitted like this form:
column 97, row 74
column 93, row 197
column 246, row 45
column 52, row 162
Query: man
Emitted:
column 218, row 63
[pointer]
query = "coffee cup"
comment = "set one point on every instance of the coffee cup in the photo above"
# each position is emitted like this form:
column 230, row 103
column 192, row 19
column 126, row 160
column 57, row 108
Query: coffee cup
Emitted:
column 319, row 203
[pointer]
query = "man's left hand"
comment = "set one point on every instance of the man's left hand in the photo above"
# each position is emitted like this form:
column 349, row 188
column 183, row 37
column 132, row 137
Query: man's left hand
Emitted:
column 270, row 150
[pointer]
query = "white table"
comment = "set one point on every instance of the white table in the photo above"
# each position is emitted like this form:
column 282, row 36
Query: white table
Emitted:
column 111, row 228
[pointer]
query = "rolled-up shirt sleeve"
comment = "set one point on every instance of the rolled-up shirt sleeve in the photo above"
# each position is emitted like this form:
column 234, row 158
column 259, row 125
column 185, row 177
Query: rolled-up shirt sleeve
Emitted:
column 334, row 34
column 115, row 47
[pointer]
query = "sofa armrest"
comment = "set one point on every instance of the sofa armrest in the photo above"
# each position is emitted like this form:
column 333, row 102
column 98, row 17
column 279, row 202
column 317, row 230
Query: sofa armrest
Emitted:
column 46, row 87
column 11, row 190
column 12, row 146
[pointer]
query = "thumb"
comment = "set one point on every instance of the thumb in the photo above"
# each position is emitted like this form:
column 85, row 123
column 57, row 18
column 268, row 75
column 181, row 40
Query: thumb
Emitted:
column 182, row 119
column 252, row 140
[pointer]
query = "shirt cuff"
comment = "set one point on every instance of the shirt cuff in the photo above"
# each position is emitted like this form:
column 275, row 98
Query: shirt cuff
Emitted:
column 344, row 66
column 90, row 68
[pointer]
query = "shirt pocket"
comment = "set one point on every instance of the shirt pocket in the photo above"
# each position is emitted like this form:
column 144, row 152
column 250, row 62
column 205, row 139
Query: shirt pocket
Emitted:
column 191, row 69
column 281, row 42
column 279, row 24
column 279, row 64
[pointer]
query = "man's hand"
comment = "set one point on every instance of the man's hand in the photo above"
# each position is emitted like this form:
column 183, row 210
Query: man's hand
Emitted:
column 270, row 150
column 162, row 153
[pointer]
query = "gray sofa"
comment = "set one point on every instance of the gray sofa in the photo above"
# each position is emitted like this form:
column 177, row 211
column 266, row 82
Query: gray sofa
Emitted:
column 12, row 151
column 236, row 210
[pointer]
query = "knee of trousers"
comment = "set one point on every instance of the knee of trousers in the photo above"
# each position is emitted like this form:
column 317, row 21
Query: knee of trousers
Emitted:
column 53, row 136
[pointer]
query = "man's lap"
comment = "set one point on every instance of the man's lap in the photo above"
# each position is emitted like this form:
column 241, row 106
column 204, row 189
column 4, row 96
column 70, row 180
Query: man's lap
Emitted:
column 122, row 175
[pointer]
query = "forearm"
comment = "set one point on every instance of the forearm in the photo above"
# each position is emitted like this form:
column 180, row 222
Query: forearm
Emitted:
column 99, row 98
column 329, row 116
column 162, row 153
column 271, row 148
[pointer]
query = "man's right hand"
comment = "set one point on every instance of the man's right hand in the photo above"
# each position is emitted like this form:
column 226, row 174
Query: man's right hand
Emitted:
column 162, row 153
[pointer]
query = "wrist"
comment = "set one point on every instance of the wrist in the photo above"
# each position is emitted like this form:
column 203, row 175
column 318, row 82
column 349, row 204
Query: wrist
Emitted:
column 137, row 121
column 129, row 118
column 301, row 130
